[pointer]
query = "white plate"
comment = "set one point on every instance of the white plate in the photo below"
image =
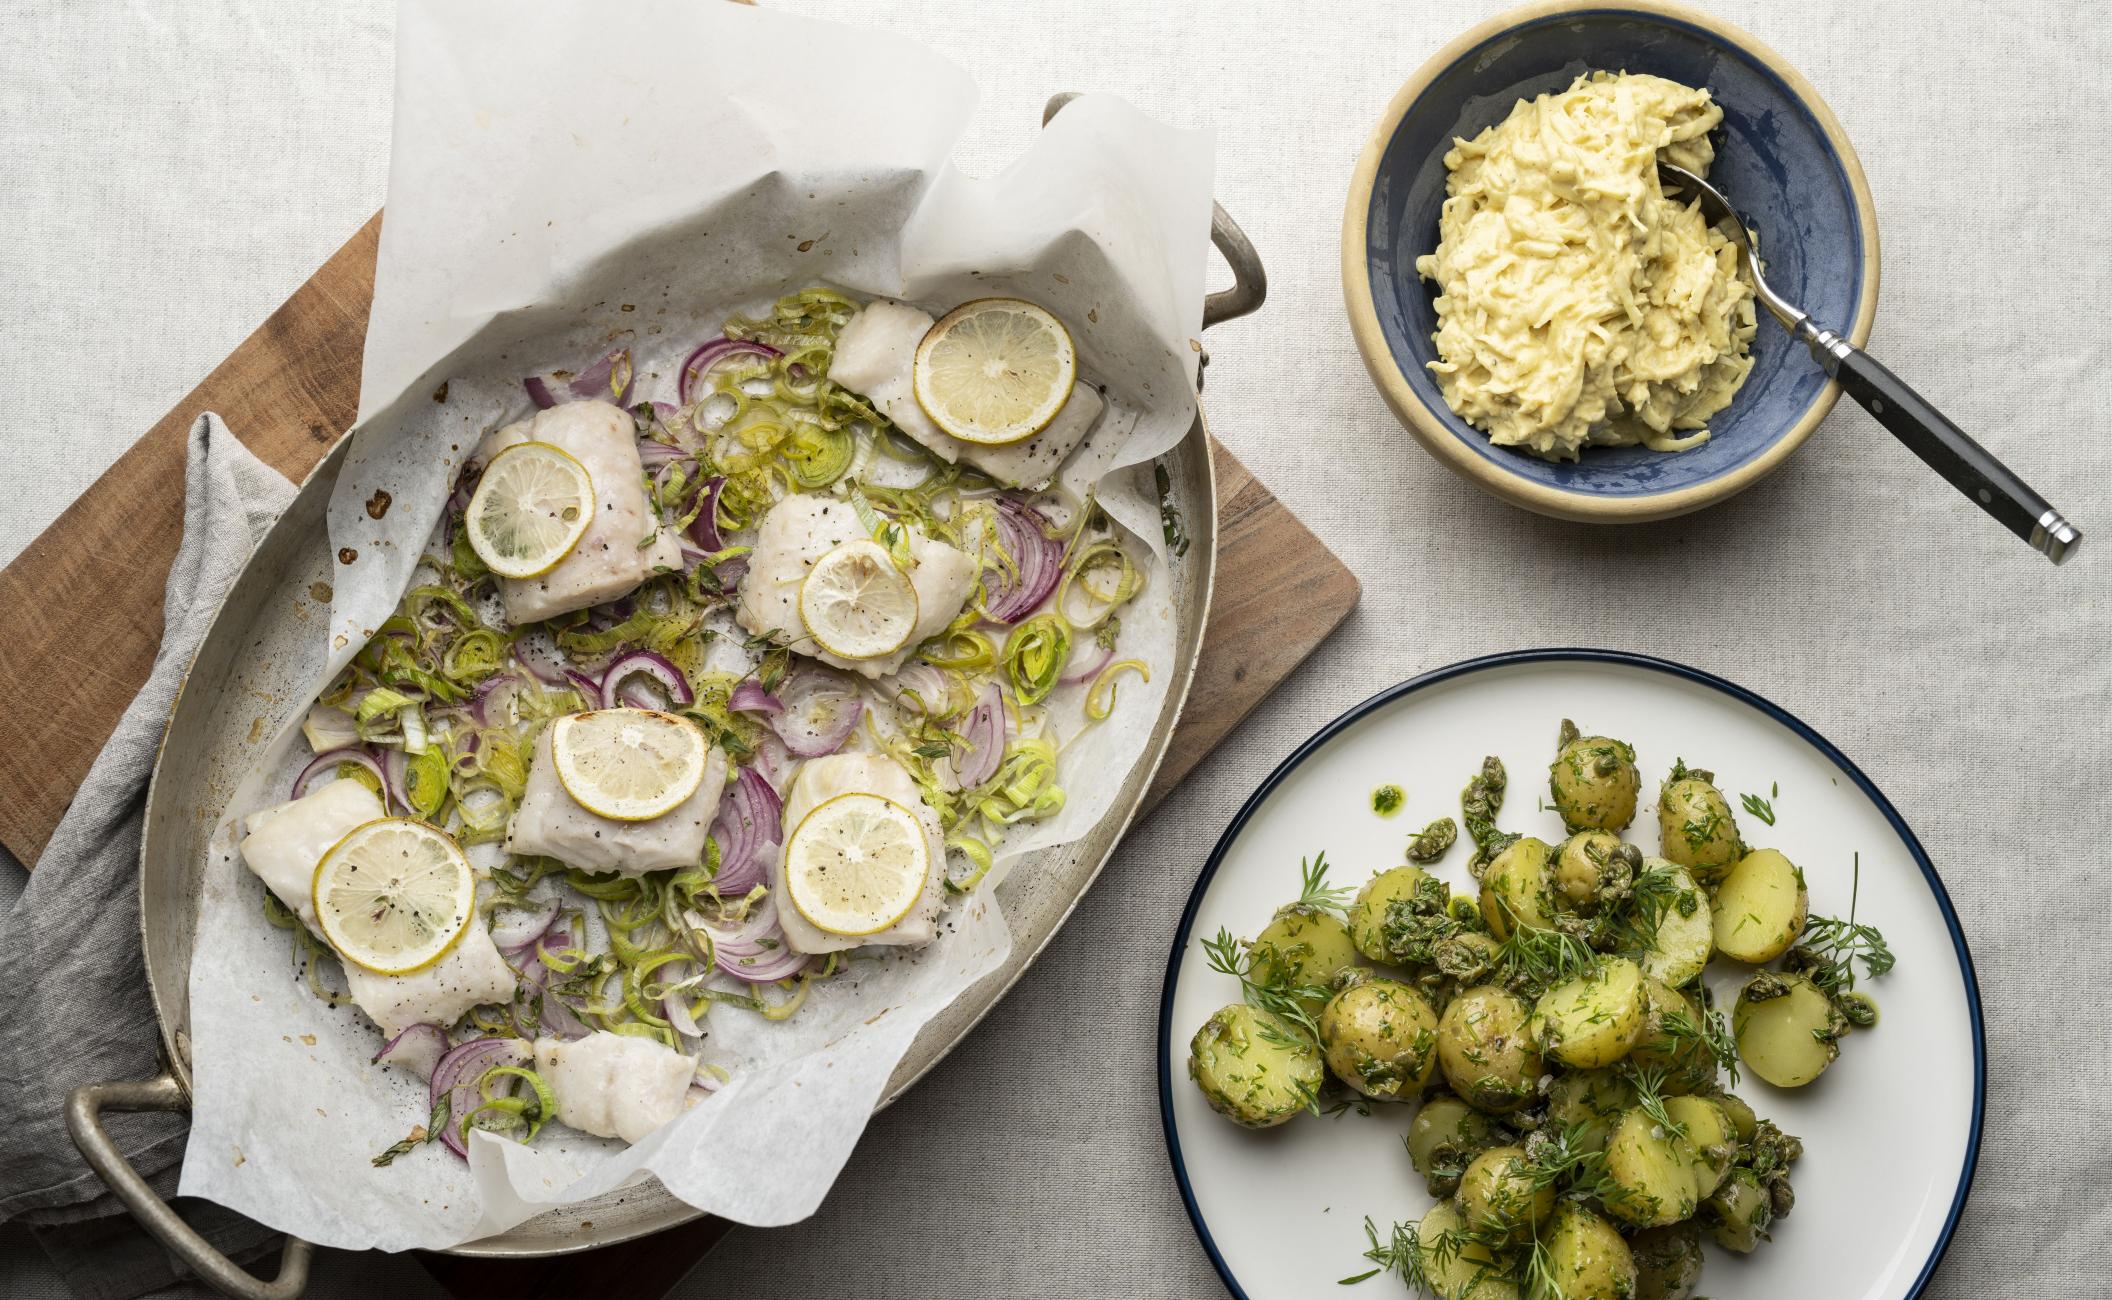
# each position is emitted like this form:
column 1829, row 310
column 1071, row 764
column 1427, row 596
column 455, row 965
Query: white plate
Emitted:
column 1890, row 1131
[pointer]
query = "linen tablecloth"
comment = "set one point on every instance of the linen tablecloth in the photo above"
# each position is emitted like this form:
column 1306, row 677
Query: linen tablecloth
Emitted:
column 170, row 179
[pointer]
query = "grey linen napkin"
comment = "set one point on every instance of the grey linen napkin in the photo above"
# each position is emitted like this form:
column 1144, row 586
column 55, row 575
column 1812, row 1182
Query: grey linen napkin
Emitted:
column 77, row 1009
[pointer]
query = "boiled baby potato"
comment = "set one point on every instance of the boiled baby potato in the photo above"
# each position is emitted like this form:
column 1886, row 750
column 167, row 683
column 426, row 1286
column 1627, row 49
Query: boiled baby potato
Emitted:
column 1694, row 825
column 1457, row 1267
column 1303, row 949
column 1585, row 1104
column 1501, row 1198
column 1667, row 1261
column 1254, row 1068
column 1711, row 1139
column 1380, row 1037
column 1517, row 891
column 1593, row 866
column 1671, row 1039
column 1653, row 1171
column 1743, row 1121
column 1739, row 1213
column 1367, row 915
column 1594, row 782
column 1594, row 1019
column 1486, row 1049
column 1760, row 907
column 1586, row 1257
column 1788, row 1032
column 1444, row 1138
column 1686, row 934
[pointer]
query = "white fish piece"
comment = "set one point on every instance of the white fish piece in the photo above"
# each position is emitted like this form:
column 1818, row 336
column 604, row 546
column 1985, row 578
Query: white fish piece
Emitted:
column 800, row 530
column 615, row 1085
column 822, row 779
column 551, row 823
column 472, row 973
column 608, row 562
column 875, row 356
column 284, row 843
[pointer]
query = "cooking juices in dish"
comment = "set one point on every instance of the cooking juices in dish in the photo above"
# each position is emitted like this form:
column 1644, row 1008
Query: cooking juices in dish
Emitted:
column 696, row 702
column 1571, row 1067
column 1577, row 305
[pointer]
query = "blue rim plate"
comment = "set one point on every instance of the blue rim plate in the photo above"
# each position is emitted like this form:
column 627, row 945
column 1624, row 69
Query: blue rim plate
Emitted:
column 1782, row 158
column 1887, row 1170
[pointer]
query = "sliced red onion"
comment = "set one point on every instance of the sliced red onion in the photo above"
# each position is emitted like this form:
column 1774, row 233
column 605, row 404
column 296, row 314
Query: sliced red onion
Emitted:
column 750, row 697
column 491, row 694
column 328, row 760
column 653, row 454
column 704, row 529
column 329, row 728
column 455, row 1077
column 417, row 1049
column 539, row 656
column 821, row 710
column 767, row 968
column 645, row 663
column 772, row 759
column 711, row 353
column 524, row 927
column 731, row 572
column 748, row 827
column 589, row 689
column 1010, row 597
column 396, row 776
column 984, row 732
column 607, row 380
column 919, row 687
column 1091, row 669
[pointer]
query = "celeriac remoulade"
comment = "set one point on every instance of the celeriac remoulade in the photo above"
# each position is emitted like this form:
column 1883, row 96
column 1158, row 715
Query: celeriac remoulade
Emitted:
column 1577, row 304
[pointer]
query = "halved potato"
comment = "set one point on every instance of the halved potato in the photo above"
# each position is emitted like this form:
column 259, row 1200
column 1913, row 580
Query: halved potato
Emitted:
column 1517, row 891
column 1739, row 1213
column 1367, row 915
column 1652, row 1170
column 1587, row 1103
column 1789, row 1034
column 1760, row 907
column 1711, row 1139
column 1458, row 1268
column 1594, row 1019
column 1743, row 1121
column 1682, row 1055
column 1667, row 1261
column 1444, row 1138
column 1305, row 950
column 1684, row 939
column 1586, row 1257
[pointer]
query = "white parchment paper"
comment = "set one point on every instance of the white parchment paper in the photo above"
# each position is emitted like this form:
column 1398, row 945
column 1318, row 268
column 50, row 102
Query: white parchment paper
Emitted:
column 566, row 177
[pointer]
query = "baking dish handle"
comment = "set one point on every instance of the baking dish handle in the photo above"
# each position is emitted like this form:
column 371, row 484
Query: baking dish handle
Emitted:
column 84, row 1119
column 1250, row 284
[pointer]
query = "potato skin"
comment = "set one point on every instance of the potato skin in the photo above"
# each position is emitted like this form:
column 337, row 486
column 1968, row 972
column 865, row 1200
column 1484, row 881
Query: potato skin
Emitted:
column 1497, row 1195
column 1485, row 1048
column 1667, row 1261
column 1586, row 1257
column 1590, row 1102
column 1380, row 1037
column 1517, row 892
column 1588, row 865
column 1253, row 1067
column 1594, row 783
column 1367, row 915
column 1695, row 827
column 1788, row 1032
column 1683, row 1056
column 1760, row 908
column 1654, row 1168
column 1304, row 949
column 1468, row 1273
column 1711, row 1138
column 1444, row 1138
column 1595, row 1019
column 1743, row 1121
column 1685, row 940
column 1739, row 1213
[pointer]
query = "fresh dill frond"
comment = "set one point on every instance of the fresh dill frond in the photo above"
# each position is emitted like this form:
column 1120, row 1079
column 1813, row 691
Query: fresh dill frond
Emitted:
column 1758, row 807
column 1397, row 1255
column 1713, row 1033
column 1541, row 959
column 1650, row 1099
column 1315, row 894
column 1271, row 991
column 1830, row 948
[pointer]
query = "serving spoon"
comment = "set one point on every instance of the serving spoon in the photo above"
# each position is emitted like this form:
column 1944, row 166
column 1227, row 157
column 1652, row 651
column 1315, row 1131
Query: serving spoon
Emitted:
column 1910, row 417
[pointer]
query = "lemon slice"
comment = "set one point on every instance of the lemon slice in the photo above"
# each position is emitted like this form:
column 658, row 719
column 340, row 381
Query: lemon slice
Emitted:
column 394, row 895
column 857, row 864
column 856, row 603
column 629, row 765
column 530, row 509
column 995, row 371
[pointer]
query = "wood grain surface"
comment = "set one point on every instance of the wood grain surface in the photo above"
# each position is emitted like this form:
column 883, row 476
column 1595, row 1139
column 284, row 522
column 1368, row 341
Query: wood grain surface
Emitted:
column 94, row 580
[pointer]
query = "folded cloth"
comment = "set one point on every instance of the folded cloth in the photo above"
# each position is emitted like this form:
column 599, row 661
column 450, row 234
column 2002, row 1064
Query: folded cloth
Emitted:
column 77, row 1009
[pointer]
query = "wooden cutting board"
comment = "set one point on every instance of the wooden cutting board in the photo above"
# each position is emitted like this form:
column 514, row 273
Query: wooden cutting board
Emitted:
column 80, row 621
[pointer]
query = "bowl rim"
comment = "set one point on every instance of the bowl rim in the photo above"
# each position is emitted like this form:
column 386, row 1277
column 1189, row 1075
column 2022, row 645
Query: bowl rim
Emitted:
column 1432, row 432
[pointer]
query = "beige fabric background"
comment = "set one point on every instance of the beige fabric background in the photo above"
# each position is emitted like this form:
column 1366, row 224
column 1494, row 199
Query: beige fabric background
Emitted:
column 172, row 173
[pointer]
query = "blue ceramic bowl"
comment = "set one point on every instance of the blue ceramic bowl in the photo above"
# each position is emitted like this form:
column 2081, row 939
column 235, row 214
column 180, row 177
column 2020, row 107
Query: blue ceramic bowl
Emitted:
column 1781, row 158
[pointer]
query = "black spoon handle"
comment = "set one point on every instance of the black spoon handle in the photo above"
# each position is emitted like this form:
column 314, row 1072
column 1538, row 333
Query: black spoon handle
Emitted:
column 1970, row 467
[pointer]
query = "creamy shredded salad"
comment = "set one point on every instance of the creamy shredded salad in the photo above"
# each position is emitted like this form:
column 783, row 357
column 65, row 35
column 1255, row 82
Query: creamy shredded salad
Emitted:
column 1577, row 304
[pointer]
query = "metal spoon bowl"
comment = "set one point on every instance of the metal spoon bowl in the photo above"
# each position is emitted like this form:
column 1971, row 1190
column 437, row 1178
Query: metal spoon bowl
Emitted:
column 1910, row 417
